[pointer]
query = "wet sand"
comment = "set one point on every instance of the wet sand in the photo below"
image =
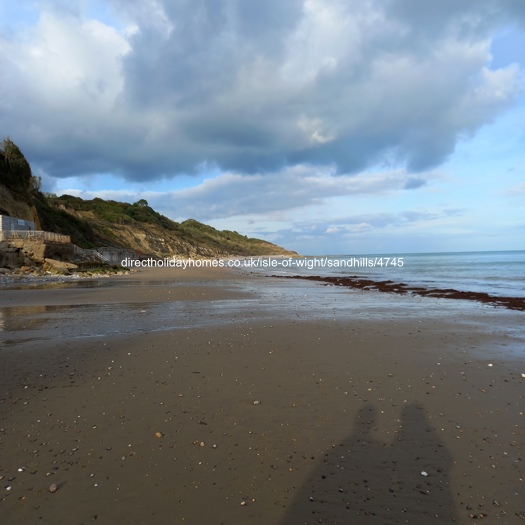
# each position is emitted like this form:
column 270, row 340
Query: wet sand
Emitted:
column 264, row 419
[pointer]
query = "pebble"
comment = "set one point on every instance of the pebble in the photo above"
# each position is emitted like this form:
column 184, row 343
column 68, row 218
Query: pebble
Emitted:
column 423, row 473
column 53, row 488
column 256, row 402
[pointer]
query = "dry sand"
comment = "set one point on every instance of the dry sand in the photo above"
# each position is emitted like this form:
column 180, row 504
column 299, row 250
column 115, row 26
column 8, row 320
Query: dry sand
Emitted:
column 283, row 421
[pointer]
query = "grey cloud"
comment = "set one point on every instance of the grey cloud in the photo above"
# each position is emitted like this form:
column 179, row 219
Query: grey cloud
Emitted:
column 253, row 87
column 206, row 44
column 416, row 216
column 414, row 183
column 454, row 212
column 232, row 194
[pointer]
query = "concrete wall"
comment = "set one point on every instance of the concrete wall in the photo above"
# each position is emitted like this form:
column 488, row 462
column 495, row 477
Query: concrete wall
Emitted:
column 38, row 251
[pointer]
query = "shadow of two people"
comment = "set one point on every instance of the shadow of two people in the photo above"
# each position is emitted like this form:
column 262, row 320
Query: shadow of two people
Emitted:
column 364, row 480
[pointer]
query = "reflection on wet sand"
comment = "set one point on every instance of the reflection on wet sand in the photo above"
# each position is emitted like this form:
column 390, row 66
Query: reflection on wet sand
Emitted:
column 17, row 318
column 166, row 304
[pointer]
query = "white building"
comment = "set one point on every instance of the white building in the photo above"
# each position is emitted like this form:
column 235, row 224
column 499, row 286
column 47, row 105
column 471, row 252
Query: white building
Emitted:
column 13, row 224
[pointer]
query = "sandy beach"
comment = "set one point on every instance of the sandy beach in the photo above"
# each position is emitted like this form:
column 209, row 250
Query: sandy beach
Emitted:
column 213, row 397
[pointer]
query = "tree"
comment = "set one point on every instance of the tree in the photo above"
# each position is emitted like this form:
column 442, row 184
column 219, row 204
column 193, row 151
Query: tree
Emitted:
column 15, row 173
column 36, row 184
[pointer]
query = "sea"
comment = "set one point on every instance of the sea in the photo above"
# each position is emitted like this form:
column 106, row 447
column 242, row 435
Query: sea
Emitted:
column 499, row 273
column 496, row 273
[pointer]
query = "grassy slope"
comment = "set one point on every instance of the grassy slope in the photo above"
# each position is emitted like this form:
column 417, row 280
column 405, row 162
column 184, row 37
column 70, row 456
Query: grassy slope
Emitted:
column 140, row 227
column 97, row 222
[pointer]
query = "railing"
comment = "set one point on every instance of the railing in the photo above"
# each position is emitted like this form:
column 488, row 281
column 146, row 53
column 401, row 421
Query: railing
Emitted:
column 87, row 253
column 116, row 255
column 32, row 235
column 100, row 257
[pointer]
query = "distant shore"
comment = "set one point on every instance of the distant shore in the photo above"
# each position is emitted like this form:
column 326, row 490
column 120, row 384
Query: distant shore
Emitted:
column 195, row 404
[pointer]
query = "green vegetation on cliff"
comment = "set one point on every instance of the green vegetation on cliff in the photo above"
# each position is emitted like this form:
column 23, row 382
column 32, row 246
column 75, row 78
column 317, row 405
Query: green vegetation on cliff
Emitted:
column 15, row 172
column 98, row 222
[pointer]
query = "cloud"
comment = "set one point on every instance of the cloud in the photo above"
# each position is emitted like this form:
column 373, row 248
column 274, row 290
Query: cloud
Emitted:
column 234, row 194
column 59, row 87
column 413, row 183
column 253, row 87
column 370, row 232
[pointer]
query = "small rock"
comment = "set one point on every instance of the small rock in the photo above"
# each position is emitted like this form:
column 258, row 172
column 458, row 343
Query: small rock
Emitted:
column 53, row 488
column 423, row 473
column 202, row 444
column 158, row 434
column 256, row 402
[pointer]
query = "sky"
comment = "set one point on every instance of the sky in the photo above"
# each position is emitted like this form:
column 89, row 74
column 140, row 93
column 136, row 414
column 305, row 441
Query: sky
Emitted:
column 325, row 126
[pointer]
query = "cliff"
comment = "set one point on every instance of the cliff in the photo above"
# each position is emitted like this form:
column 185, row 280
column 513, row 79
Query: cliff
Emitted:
column 98, row 222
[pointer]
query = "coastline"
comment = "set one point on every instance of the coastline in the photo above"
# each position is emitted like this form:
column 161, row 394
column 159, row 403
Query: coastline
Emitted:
column 513, row 303
column 300, row 420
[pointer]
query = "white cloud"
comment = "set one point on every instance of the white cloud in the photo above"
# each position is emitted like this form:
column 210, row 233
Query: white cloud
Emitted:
column 252, row 87
column 316, row 119
column 67, row 65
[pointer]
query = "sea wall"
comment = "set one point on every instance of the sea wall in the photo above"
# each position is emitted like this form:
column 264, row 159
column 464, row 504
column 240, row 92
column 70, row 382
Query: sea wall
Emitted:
column 17, row 253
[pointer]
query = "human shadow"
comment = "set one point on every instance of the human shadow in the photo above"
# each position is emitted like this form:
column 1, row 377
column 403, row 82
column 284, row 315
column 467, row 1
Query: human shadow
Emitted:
column 362, row 480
